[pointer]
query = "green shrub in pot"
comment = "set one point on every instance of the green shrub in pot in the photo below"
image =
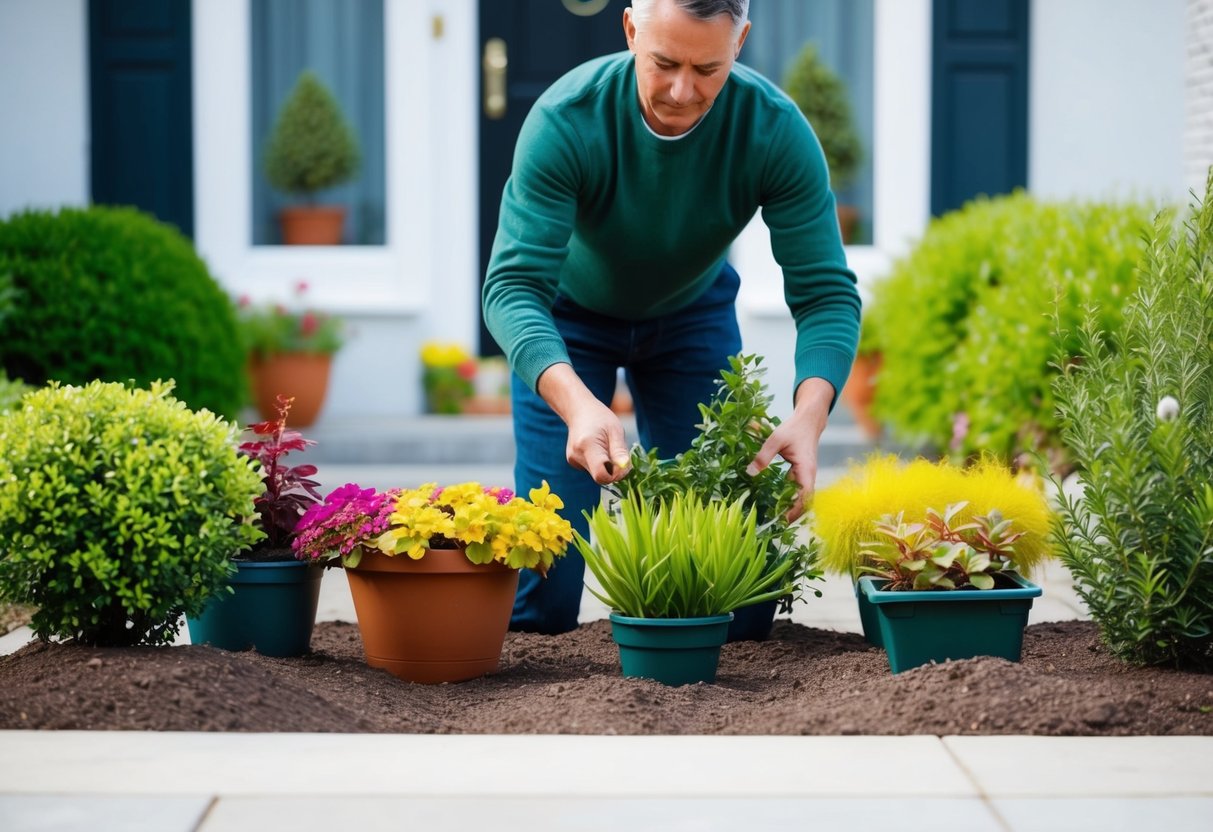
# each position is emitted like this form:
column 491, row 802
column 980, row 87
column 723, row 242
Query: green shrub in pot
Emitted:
column 119, row 510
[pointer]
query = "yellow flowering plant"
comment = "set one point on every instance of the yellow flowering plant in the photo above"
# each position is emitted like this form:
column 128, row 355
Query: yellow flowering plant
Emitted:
column 448, row 374
column 489, row 524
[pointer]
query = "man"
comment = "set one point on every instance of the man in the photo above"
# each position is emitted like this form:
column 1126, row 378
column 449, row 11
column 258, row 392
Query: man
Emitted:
column 632, row 176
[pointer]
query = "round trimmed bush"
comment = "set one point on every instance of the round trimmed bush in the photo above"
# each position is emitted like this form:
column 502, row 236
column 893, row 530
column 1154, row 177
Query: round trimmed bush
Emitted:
column 965, row 320
column 120, row 510
column 112, row 294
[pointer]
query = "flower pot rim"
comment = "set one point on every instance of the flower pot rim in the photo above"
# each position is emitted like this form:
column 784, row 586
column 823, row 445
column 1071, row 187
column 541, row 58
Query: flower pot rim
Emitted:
column 450, row 559
column 671, row 622
column 871, row 587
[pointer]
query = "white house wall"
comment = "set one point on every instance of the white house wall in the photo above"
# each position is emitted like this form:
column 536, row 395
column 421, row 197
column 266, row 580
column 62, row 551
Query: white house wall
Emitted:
column 44, row 99
column 1106, row 111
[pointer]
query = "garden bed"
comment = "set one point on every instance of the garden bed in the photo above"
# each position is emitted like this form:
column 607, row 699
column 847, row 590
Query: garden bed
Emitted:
column 802, row 681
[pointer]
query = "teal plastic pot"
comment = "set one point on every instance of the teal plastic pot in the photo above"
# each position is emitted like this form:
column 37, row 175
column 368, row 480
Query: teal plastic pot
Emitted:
column 673, row 651
column 918, row 627
column 869, row 618
column 272, row 609
column 753, row 623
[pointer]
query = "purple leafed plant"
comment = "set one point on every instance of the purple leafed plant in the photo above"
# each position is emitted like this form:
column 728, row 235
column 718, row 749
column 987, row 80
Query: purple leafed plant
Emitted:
column 349, row 517
column 289, row 491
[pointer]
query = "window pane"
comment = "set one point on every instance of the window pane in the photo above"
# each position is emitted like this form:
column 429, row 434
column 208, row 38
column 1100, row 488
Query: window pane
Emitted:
column 342, row 42
column 843, row 32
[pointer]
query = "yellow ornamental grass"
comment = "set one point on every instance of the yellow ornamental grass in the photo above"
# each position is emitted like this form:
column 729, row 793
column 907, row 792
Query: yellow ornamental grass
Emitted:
column 846, row 512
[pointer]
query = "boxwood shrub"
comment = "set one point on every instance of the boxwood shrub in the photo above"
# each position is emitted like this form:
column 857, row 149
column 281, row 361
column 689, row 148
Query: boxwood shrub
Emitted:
column 119, row 510
column 112, row 294
column 966, row 319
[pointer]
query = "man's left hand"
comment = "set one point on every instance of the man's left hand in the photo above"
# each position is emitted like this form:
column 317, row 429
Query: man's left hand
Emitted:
column 796, row 439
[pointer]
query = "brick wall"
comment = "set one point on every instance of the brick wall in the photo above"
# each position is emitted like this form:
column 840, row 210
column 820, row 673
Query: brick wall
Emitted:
column 1198, row 96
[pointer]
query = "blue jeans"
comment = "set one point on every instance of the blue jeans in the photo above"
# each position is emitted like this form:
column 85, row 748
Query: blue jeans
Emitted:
column 671, row 364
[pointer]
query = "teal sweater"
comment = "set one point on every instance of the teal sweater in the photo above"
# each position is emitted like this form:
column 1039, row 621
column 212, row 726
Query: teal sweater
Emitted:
column 628, row 225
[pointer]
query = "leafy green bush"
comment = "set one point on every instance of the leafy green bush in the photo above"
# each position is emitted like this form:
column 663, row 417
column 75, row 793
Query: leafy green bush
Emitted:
column 112, row 294
column 963, row 319
column 312, row 146
column 11, row 391
column 1136, row 409
column 119, row 511
column 822, row 97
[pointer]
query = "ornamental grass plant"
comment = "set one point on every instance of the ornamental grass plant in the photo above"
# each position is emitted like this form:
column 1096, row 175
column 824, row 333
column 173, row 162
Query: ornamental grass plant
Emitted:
column 885, row 489
column 682, row 557
column 1136, row 410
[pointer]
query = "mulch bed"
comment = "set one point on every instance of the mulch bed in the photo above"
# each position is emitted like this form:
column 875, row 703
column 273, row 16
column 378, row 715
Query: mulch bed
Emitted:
column 801, row 681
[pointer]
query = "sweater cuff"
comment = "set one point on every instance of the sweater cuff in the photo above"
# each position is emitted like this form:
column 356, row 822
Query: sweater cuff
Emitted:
column 532, row 358
column 823, row 362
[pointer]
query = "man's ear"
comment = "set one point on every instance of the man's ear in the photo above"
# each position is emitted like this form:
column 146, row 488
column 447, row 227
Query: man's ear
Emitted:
column 629, row 29
column 745, row 30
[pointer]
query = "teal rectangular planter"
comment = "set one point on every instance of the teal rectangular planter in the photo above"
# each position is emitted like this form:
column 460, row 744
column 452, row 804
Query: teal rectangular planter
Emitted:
column 869, row 618
column 918, row 627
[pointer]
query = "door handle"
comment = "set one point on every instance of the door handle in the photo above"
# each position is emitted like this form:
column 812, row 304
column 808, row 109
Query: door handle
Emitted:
column 494, row 64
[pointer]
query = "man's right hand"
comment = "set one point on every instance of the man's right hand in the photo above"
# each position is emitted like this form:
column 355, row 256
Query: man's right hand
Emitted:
column 596, row 439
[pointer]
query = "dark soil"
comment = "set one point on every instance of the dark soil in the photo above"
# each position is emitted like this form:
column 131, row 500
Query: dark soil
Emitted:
column 801, row 681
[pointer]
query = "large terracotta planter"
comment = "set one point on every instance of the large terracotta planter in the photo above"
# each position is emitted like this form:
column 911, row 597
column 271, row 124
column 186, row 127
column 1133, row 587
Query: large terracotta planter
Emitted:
column 312, row 225
column 302, row 375
column 441, row 618
column 860, row 390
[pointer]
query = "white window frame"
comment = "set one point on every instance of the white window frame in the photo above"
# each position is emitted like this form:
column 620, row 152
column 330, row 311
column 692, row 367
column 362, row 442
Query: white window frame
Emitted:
column 387, row 279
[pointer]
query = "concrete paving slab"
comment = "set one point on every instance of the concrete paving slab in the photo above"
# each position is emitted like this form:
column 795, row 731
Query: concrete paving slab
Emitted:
column 1118, row 767
column 100, row 813
column 1180, row 814
column 173, row 764
column 599, row 815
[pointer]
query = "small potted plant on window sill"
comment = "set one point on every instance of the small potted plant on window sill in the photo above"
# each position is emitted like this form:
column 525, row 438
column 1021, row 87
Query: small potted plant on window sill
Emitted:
column 290, row 353
column 733, row 428
column 930, row 532
column 433, row 571
column 271, row 604
column 673, row 571
column 311, row 148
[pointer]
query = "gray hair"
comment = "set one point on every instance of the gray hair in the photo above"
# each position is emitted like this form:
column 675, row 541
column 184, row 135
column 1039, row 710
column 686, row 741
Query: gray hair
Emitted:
column 737, row 10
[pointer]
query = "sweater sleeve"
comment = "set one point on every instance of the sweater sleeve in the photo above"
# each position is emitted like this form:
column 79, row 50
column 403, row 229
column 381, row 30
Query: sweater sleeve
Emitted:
column 820, row 290
column 538, row 207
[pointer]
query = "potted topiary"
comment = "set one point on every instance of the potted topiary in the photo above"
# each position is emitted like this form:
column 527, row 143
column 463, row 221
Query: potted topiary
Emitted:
column 673, row 571
column 312, row 147
column 735, row 424
column 433, row 571
column 120, row 510
column 822, row 97
column 290, row 353
column 271, row 603
column 916, row 535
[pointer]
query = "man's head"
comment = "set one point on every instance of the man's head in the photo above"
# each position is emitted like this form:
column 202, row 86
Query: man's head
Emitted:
column 684, row 52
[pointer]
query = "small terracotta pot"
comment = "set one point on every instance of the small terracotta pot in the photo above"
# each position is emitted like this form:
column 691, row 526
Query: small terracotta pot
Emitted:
column 859, row 391
column 302, row 375
column 312, row 225
column 848, row 221
column 441, row 618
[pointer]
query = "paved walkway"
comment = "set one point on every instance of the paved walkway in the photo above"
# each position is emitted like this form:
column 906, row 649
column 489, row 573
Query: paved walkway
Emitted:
column 180, row 782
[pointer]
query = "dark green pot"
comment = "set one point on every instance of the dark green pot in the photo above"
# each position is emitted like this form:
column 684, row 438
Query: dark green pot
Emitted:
column 272, row 610
column 674, row 651
column 918, row 627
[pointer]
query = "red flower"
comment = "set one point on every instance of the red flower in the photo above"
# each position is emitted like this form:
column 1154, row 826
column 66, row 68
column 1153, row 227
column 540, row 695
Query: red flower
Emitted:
column 467, row 369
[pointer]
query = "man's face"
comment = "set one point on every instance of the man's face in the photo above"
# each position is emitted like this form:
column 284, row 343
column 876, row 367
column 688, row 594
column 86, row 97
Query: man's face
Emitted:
column 681, row 63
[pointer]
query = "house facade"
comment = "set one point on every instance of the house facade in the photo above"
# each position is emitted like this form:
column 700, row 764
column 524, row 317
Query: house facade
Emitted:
column 1068, row 98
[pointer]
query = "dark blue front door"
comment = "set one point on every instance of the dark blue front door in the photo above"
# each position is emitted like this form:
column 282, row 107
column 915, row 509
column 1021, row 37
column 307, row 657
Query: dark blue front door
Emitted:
column 141, row 107
column 979, row 100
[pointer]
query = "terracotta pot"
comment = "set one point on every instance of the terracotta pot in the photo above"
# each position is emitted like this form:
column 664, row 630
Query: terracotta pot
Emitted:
column 312, row 225
column 441, row 618
column 848, row 221
column 859, row 391
column 302, row 375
